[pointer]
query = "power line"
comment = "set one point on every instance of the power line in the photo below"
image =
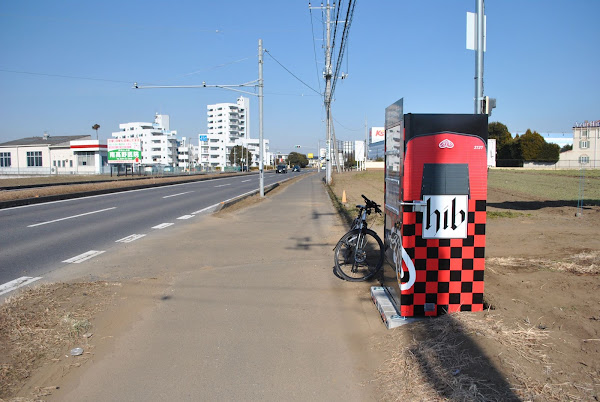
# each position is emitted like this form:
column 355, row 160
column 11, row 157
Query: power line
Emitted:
column 344, row 41
column 294, row 75
column 314, row 49
column 337, row 18
column 349, row 129
column 214, row 67
column 64, row 76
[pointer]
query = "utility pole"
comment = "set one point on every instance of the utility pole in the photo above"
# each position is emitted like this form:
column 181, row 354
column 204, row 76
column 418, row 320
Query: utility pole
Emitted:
column 328, row 95
column 366, row 144
column 480, row 12
column 260, row 118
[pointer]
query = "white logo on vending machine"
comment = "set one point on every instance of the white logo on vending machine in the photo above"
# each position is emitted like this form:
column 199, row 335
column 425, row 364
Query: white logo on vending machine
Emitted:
column 446, row 144
column 445, row 216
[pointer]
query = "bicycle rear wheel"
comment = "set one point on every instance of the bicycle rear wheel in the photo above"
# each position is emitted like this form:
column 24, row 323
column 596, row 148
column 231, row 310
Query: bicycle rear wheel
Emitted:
column 358, row 255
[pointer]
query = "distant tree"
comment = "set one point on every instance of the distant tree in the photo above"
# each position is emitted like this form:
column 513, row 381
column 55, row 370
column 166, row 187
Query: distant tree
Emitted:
column 531, row 145
column 96, row 127
column 567, row 147
column 349, row 162
column 238, row 153
column 295, row 158
column 500, row 133
column 549, row 153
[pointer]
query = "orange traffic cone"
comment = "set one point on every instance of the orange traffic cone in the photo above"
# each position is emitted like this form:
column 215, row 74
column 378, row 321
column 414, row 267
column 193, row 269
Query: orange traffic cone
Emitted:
column 344, row 197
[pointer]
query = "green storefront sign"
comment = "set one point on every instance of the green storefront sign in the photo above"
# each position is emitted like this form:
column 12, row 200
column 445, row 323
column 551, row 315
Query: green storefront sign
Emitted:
column 125, row 156
column 124, row 150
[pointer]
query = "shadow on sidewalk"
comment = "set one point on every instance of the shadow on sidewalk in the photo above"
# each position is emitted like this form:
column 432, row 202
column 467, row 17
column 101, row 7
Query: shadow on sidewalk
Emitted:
column 305, row 243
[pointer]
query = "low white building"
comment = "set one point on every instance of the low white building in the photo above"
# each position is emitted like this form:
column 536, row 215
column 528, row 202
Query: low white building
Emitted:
column 159, row 143
column 74, row 154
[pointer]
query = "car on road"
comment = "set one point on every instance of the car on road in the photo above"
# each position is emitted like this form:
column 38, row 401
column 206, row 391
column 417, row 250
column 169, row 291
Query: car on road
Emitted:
column 281, row 169
column 296, row 168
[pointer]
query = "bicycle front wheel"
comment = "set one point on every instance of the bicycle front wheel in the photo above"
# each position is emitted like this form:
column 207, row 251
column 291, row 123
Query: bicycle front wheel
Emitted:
column 358, row 255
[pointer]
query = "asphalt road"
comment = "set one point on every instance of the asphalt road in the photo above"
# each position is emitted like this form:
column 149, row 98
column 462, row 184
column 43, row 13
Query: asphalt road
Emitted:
column 38, row 239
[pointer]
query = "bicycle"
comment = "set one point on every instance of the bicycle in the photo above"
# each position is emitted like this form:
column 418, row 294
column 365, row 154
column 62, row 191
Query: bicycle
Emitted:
column 359, row 253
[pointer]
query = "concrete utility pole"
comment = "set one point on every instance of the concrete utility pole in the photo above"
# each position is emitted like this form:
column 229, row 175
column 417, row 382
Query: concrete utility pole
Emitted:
column 480, row 12
column 328, row 95
column 260, row 119
column 366, row 144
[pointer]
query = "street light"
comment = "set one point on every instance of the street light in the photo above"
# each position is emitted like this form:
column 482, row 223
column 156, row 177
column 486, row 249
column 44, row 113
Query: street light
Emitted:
column 256, row 83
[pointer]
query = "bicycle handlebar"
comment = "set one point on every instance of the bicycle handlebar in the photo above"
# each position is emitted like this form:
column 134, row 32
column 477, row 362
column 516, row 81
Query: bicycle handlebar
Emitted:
column 371, row 204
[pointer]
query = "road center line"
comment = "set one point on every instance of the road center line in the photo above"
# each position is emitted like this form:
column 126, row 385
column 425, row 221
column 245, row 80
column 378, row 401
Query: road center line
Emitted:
column 223, row 185
column 175, row 195
column 71, row 217
column 243, row 181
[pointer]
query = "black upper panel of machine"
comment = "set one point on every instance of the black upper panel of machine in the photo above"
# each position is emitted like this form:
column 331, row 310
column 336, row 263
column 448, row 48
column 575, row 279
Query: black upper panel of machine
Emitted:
column 422, row 124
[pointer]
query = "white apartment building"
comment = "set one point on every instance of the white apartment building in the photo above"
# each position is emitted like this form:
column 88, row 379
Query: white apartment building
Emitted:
column 228, row 126
column 159, row 143
column 187, row 154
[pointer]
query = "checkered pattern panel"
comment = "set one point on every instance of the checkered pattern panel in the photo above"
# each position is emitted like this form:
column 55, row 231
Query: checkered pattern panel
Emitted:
column 449, row 272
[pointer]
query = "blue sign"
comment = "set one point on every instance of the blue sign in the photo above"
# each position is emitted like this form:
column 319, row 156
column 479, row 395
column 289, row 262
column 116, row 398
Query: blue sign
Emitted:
column 203, row 138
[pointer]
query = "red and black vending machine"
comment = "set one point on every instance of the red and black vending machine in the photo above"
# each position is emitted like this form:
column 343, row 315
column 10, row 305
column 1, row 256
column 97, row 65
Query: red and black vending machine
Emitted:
column 435, row 211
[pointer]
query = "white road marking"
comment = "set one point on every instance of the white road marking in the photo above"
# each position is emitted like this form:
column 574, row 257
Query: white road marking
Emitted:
column 130, row 238
column 175, row 195
column 186, row 217
column 223, row 185
column 41, row 204
column 205, row 209
column 82, row 257
column 17, row 283
column 162, row 226
column 243, row 181
column 70, row 217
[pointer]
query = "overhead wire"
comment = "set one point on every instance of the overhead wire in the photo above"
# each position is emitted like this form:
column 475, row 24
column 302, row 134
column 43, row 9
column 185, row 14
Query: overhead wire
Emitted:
column 349, row 129
column 64, row 76
column 315, row 50
column 337, row 18
column 291, row 73
column 347, row 23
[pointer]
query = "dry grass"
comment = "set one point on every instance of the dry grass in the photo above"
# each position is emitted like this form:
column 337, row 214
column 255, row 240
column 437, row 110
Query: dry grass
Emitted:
column 41, row 324
column 584, row 263
column 441, row 364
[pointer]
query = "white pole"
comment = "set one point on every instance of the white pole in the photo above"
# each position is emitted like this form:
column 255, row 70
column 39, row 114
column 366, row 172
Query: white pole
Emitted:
column 480, row 12
column 328, row 95
column 260, row 117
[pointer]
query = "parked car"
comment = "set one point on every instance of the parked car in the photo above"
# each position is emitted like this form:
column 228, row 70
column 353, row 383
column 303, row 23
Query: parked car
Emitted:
column 296, row 168
column 281, row 169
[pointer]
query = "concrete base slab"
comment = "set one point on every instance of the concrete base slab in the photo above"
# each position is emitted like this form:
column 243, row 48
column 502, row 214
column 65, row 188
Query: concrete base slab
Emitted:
column 387, row 310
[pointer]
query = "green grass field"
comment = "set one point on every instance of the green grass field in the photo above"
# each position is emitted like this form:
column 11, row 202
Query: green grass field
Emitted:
column 551, row 185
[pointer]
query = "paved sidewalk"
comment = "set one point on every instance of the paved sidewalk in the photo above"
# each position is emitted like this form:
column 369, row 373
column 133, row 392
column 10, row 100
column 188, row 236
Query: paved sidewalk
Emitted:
column 253, row 312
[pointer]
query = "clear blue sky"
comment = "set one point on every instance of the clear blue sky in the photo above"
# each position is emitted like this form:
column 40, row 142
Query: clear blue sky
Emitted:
column 542, row 64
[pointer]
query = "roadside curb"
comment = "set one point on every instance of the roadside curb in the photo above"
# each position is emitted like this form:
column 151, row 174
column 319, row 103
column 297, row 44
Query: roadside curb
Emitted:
column 232, row 201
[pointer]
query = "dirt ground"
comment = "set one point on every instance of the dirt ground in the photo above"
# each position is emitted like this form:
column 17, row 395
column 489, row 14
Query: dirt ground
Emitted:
column 539, row 339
